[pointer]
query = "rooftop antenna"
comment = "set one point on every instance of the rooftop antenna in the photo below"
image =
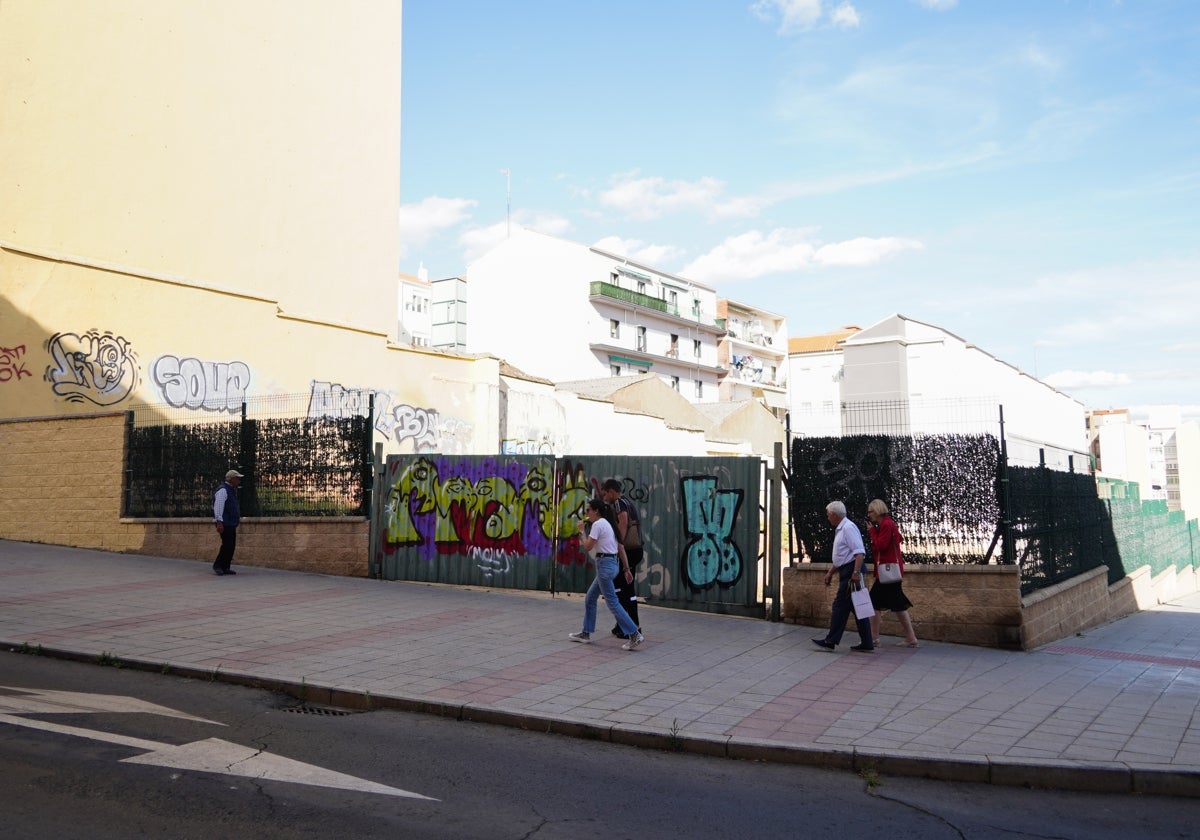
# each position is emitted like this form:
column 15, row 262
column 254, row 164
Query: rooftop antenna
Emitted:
column 507, row 203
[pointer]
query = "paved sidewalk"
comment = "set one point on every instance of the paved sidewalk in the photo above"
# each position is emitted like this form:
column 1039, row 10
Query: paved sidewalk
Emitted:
column 1116, row 709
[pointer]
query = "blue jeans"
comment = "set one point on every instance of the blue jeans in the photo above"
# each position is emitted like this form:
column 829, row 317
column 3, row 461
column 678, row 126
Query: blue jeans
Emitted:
column 607, row 567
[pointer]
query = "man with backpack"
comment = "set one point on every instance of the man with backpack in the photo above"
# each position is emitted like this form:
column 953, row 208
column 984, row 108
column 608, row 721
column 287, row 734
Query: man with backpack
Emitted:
column 629, row 533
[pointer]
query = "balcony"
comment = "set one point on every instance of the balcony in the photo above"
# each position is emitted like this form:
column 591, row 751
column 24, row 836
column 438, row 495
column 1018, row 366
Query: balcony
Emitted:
column 607, row 290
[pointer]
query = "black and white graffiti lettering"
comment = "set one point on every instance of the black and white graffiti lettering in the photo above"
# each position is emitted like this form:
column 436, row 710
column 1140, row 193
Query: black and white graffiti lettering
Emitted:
column 331, row 400
column 211, row 386
column 97, row 367
column 420, row 424
column 492, row 561
column 11, row 364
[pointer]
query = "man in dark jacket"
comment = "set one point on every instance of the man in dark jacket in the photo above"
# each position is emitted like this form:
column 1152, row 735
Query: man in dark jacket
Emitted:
column 226, row 516
column 629, row 534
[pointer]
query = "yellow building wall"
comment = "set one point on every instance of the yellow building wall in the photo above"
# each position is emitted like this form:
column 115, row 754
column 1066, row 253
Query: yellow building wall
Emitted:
column 79, row 340
column 250, row 145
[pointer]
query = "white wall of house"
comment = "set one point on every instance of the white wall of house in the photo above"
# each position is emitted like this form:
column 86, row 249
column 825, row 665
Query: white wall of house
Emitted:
column 815, row 393
column 531, row 305
column 940, row 374
column 1125, row 453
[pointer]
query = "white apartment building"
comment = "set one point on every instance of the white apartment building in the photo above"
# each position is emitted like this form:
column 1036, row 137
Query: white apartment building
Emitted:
column 902, row 376
column 754, row 350
column 815, row 382
column 566, row 311
column 414, row 310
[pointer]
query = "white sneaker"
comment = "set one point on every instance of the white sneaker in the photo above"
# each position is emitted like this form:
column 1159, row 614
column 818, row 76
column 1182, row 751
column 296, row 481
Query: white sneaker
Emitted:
column 584, row 638
column 634, row 640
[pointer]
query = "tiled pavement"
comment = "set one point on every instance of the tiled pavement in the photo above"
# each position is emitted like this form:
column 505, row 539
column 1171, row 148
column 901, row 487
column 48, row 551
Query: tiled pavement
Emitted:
column 1117, row 708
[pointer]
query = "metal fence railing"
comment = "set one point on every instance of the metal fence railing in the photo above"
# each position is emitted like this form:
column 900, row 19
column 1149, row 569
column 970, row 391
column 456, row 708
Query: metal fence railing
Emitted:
column 294, row 465
column 964, row 495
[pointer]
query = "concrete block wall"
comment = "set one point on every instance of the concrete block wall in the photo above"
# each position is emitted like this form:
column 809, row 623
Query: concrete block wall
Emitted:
column 61, row 482
column 974, row 605
column 1065, row 609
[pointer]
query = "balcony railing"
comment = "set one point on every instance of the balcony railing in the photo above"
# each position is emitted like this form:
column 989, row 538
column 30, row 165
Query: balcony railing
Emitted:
column 628, row 296
column 608, row 290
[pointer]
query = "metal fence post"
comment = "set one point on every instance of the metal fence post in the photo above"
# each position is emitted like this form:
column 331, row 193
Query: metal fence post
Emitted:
column 1008, row 551
column 774, row 541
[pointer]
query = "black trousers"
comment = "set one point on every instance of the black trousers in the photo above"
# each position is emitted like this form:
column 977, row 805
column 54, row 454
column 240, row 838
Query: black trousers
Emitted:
column 228, row 546
column 626, row 590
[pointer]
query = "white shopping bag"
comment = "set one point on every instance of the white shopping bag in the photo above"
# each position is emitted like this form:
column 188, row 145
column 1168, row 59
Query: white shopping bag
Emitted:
column 861, row 599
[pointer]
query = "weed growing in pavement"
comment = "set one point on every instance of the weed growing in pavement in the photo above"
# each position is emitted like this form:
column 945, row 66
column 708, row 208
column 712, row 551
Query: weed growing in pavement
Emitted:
column 106, row 658
column 28, row 649
column 673, row 740
column 214, row 674
column 871, row 776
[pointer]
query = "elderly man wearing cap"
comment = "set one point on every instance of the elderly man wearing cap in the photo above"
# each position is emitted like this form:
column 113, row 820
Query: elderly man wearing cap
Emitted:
column 226, row 515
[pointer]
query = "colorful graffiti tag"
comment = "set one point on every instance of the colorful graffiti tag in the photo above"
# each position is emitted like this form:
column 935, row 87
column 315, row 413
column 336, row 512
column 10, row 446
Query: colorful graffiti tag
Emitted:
column 487, row 509
column 711, row 556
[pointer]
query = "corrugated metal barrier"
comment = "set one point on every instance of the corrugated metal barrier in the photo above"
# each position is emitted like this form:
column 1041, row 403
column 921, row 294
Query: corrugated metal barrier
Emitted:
column 509, row 521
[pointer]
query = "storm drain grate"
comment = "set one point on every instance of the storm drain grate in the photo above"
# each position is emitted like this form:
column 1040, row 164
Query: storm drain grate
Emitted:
column 318, row 710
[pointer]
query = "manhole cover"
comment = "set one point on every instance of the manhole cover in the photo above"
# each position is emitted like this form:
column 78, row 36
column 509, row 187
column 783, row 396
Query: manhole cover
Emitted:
column 328, row 711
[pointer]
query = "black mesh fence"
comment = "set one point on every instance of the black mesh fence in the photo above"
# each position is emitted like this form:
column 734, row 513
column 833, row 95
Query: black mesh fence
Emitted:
column 956, row 497
column 1060, row 526
column 293, row 466
column 942, row 488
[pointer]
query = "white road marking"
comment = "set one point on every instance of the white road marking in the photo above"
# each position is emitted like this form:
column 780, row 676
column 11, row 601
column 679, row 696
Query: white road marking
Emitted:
column 37, row 701
column 211, row 755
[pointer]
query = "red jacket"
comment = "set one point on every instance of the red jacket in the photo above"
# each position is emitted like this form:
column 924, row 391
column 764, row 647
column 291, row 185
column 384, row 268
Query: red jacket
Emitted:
column 885, row 543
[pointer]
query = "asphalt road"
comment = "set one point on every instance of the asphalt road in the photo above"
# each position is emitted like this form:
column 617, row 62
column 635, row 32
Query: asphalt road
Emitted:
column 218, row 760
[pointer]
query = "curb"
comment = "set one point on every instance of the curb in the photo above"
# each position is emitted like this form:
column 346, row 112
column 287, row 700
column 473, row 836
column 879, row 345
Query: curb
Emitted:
column 1058, row 774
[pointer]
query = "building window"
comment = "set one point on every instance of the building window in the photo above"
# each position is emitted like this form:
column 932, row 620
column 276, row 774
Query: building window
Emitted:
column 615, row 279
column 696, row 347
column 641, row 339
column 673, row 349
column 615, row 370
column 614, row 328
column 641, row 287
column 695, row 307
column 699, row 389
column 675, row 382
column 673, row 298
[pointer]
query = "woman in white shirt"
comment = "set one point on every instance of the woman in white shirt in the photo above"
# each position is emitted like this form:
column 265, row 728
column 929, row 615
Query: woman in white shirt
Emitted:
column 601, row 543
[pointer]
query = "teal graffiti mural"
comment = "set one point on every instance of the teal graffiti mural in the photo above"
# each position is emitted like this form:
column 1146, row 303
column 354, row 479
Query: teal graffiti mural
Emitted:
column 710, row 556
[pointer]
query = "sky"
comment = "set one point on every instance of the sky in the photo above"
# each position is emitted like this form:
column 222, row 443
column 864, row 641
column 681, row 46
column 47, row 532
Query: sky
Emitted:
column 1024, row 174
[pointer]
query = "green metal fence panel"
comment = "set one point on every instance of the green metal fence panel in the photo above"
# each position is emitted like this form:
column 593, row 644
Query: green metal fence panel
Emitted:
column 701, row 525
column 510, row 521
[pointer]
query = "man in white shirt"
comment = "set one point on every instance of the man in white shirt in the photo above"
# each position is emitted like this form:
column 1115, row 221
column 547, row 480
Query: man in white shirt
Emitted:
column 848, row 557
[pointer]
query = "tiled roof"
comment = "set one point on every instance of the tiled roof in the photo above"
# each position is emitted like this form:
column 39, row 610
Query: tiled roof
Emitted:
column 822, row 343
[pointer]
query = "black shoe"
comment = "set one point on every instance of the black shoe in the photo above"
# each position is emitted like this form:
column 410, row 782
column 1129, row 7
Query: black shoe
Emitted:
column 861, row 649
column 218, row 572
column 230, row 572
column 616, row 631
column 824, row 643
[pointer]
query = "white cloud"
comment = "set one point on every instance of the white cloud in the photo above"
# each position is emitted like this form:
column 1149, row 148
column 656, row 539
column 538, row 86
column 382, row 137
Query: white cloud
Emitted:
column 755, row 254
column 793, row 15
column 845, row 16
column 640, row 251
column 802, row 15
column 1069, row 380
column 424, row 220
column 650, row 198
column 477, row 241
column 864, row 250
